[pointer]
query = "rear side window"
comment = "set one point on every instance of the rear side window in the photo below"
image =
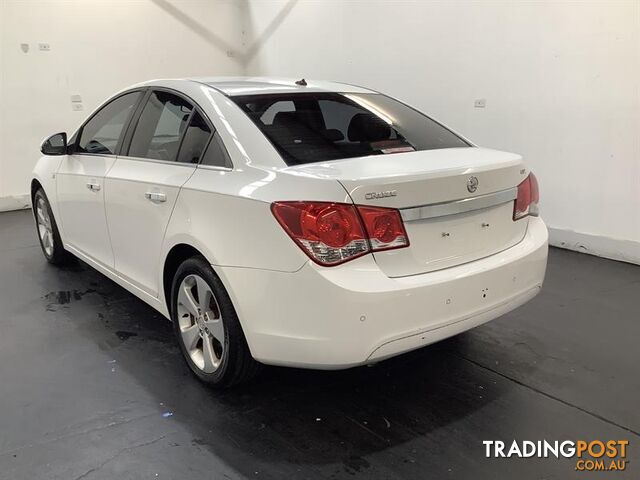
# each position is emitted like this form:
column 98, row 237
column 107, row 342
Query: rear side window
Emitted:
column 102, row 133
column 316, row 127
column 216, row 154
column 195, row 139
column 160, row 126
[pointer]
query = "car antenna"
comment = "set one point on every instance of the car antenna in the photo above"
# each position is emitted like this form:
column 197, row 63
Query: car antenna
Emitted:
column 302, row 82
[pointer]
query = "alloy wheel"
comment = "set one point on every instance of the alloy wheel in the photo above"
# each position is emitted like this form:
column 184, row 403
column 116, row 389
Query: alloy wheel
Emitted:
column 200, row 323
column 45, row 229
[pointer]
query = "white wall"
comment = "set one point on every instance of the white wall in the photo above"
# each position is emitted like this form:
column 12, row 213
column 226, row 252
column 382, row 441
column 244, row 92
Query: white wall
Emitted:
column 96, row 48
column 561, row 81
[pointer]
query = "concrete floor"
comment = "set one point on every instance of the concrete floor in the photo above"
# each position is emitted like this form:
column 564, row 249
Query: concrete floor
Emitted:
column 92, row 386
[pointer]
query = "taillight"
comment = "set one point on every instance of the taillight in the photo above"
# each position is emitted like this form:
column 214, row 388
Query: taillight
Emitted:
column 330, row 233
column 384, row 227
column 333, row 233
column 528, row 197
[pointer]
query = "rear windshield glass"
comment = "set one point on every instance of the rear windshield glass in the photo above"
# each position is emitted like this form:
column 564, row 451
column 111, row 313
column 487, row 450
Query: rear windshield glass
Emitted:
column 316, row 127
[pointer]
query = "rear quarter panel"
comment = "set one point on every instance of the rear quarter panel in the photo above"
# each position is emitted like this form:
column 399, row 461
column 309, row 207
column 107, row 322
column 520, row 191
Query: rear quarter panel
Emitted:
column 226, row 215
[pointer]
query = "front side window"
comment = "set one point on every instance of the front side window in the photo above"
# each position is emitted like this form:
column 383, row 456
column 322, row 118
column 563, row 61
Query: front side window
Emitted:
column 102, row 133
column 316, row 127
column 160, row 127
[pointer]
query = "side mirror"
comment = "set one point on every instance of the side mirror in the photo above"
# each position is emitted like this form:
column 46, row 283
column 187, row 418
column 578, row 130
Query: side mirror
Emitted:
column 55, row 144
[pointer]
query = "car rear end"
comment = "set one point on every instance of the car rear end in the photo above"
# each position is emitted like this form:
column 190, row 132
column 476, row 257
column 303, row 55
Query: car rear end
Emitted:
column 434, row 236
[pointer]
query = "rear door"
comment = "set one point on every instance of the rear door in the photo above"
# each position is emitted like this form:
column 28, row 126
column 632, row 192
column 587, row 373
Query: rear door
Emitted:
column 80, row 178
column 161, row 152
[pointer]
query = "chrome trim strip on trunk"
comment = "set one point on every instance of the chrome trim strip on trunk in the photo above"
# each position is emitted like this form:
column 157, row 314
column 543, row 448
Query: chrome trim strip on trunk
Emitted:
column 458, row 206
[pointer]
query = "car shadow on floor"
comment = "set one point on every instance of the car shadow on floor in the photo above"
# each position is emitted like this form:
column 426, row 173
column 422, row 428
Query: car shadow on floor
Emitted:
column 316, row 420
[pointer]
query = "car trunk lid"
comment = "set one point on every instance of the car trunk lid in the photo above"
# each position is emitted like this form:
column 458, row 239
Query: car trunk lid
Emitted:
column 456, row 203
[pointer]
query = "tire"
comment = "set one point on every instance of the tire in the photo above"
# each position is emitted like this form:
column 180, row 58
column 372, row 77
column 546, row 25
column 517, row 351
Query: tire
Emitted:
column 48, row 232
column 207, row 327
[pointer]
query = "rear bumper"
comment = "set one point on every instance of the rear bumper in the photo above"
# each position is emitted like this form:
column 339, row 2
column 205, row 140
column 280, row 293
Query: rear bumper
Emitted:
column 353, row 314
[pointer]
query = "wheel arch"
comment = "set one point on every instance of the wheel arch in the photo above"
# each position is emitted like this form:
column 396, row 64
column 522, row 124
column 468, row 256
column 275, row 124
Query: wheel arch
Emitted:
column 175, row 256
column 35, row 185
column 43, row 177
column 178, row 253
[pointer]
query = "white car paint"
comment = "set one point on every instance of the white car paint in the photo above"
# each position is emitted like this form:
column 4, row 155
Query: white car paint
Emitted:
column 292, row 310
column 82, row 210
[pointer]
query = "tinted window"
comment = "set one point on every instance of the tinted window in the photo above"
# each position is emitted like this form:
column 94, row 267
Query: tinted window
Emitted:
column 160, row 127
column 270, row 113
column 338, row 115
column 195, row 140
column 104, row 130
column 216, row 154
column 330, row 126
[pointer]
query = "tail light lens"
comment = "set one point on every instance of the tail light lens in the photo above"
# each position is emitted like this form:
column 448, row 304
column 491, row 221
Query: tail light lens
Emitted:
column 384, row 228
column 528, row 197
column 330, row 233
column 333, row 233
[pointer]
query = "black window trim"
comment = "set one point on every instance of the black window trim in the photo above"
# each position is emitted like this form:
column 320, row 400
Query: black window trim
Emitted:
column 133, row 123
column 126, row 139
column 73, row 147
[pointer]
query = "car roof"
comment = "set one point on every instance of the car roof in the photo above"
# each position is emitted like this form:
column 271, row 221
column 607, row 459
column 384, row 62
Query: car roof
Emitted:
column 232, row 86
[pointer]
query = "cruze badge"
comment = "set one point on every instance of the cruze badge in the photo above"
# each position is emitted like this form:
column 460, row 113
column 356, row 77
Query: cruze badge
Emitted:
column 374, row 195
column 472, row 184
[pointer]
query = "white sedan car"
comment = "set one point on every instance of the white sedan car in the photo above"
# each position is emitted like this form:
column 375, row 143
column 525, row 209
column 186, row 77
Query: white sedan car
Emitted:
column 308, row 224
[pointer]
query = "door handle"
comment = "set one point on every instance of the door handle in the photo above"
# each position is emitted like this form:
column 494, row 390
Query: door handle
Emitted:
column 94, row 187
column 155, row 197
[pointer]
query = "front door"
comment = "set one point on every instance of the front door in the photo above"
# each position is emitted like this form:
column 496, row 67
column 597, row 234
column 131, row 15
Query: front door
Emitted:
column 80, row 179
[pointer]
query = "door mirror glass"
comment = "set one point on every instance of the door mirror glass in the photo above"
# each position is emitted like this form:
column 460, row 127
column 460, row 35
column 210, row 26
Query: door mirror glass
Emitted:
column 55, row 144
